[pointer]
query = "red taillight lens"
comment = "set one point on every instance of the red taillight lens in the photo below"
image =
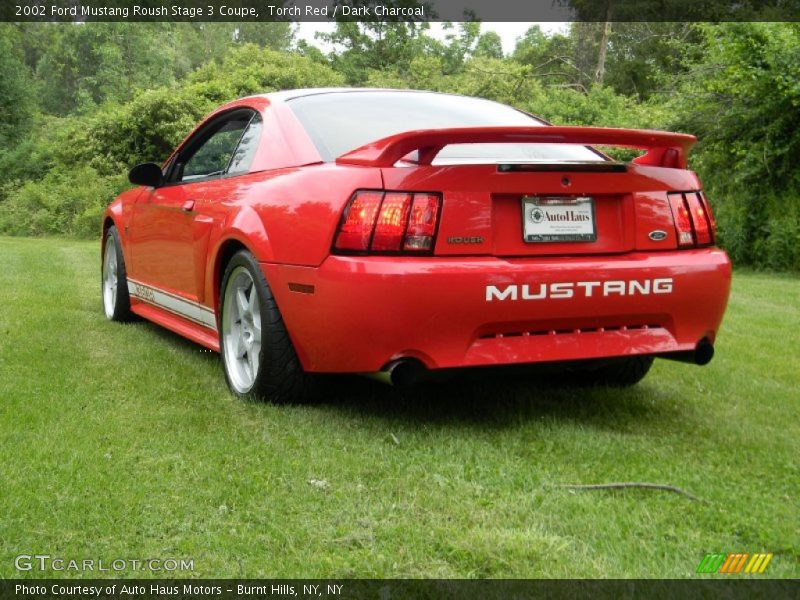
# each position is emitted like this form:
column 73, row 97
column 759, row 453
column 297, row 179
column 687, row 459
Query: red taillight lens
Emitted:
column 683, row 223
column 694, row 223
column 392, row 221
column 699, row 217
column 389, row 222
column 422, row 223
column 359, row 221
column 712, row 223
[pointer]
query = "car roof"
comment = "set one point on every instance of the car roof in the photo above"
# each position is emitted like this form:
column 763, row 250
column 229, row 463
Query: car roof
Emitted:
column 284, row 95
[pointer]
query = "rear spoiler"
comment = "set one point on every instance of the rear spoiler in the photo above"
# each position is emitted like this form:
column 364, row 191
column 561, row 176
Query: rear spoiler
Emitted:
column 663, row 149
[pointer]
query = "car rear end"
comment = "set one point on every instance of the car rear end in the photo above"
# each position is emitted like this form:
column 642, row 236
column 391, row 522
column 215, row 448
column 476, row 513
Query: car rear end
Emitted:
column 498, row 245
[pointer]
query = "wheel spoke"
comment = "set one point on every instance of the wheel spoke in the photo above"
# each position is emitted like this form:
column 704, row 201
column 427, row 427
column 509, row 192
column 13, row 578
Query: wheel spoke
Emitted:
column 252, row 303
column 241, row 302
column 252, row 358
column 241, row 348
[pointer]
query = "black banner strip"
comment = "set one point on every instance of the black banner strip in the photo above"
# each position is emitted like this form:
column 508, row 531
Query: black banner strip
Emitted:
column 400, row 589
column 398, row 10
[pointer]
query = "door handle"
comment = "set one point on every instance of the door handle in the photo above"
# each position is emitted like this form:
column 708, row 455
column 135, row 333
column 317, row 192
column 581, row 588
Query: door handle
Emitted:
column 188, row 206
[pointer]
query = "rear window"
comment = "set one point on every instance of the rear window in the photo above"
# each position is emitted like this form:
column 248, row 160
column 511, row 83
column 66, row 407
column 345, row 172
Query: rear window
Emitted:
column 339, row 122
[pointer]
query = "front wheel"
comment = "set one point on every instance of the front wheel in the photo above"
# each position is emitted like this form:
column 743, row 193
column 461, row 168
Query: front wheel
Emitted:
column 114, row 282
column 257, row 354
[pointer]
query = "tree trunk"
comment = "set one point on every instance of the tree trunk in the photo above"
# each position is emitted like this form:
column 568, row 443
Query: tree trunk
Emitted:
column 600, row 72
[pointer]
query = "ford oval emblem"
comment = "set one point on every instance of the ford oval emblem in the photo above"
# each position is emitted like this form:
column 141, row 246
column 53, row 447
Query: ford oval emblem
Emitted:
column 657, row 235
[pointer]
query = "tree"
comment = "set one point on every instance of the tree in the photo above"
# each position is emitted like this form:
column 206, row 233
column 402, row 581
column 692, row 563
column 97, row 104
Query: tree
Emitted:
column 16, row 87
column 742, row 99
column 362, row 46
column 489, row 46
column 89, row 63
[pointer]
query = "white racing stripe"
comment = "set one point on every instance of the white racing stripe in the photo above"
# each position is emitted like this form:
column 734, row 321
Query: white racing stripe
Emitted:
column 197, row 313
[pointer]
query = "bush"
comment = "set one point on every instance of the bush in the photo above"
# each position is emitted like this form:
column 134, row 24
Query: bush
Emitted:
column 60, row 179
column 59, row 204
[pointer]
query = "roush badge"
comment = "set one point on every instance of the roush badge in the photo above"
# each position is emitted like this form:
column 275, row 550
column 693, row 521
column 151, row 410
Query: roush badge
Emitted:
column 657, row 235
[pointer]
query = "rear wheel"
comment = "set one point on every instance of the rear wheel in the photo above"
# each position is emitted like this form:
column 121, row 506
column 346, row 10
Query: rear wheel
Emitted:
column 621, row 372
column 114, row 282
column 257, row 354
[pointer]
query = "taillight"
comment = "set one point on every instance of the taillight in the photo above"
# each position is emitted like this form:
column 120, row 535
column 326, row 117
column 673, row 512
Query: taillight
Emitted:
column 389, row 222
column 683, row 223
column 422, row 224
column 702, row 229
column 712, row 223
column 693, row 221
column 359, row 221
column 392, row 221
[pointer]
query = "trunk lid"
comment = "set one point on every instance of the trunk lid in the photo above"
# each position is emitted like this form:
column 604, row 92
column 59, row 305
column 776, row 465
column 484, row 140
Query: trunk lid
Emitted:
column 482, row 210
column 540, row 208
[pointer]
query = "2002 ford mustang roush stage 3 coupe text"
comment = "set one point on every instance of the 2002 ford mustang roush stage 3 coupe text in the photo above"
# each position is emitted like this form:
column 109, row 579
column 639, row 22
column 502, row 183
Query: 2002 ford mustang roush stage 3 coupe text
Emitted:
column 399, row 233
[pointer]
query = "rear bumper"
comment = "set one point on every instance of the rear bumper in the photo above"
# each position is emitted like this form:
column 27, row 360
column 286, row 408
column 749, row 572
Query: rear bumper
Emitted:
column 365, row 312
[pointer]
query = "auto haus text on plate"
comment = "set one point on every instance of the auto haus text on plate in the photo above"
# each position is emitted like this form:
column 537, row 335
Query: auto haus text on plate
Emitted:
column 241, row 12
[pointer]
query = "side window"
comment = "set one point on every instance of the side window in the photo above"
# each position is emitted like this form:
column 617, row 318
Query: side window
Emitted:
column 213, row 155
column 246, row 150
column 227, row 146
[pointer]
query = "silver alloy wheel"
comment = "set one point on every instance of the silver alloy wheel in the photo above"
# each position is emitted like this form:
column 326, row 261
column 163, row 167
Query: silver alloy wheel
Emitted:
column 241, row 330
column 110, row 278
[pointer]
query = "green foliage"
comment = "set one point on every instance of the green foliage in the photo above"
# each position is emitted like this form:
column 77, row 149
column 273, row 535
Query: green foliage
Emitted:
column 252, row 70
column 374, row 45
column 489, row 46
column 79, row 67
column 742, row 99
column 68, row 169
column 16, row 87
column 61, row 203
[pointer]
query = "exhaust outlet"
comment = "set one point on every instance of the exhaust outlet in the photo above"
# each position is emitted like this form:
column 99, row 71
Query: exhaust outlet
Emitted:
column 701, row 355
column 404, row 372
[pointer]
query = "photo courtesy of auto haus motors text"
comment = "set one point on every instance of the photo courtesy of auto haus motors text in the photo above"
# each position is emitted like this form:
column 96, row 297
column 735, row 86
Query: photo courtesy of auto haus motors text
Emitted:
column 357, row 299
column 181, row 590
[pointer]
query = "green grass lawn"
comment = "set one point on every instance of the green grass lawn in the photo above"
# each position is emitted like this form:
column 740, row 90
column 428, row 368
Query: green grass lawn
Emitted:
column 121, row 441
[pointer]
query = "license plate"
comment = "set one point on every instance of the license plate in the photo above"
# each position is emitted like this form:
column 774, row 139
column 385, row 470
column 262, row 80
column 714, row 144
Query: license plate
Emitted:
column 558, row 219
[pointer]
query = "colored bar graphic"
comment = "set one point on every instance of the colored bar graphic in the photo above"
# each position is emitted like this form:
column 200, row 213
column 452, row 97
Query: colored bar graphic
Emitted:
column 734, row 563
column 765, row 563
column 710, row 563
column 741, row 562
column 726, row 568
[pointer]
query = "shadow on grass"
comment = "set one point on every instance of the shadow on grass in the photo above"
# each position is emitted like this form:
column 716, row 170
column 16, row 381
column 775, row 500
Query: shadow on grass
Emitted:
column 497, row 398
column 484, row 398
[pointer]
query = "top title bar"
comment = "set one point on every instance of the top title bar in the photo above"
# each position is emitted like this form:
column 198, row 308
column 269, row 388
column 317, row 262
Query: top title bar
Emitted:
column 398, row 10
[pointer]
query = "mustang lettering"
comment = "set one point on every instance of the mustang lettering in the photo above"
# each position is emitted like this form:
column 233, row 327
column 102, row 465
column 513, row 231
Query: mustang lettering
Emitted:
column 586, row 288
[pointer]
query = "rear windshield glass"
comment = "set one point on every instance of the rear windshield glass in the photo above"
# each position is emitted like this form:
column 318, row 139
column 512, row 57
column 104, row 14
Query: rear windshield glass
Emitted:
column 342, row 121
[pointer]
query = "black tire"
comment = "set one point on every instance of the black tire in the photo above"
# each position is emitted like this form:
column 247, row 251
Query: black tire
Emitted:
column 621, row 372
column 279, row 376
column 115, row 298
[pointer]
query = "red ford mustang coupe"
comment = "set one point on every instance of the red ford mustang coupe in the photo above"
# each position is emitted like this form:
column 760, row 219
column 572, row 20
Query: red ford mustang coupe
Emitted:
column 400, row 233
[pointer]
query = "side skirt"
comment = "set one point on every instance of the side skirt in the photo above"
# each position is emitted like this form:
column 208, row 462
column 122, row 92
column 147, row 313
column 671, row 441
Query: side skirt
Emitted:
column 184, row 317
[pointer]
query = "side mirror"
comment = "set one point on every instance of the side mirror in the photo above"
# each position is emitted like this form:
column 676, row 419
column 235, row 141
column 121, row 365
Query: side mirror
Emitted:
column 148, row 174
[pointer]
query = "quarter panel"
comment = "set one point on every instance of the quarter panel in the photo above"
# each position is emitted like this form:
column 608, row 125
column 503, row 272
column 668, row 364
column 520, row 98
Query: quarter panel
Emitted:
column 285, row 216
